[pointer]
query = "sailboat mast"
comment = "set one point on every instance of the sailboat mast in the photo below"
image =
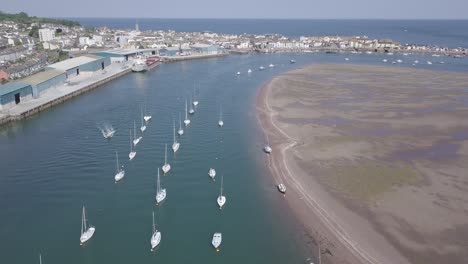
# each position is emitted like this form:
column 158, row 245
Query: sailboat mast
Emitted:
column 134, row 129
column 117, row 158
column 180, row 122
column 131, row 144
column 186, row 109
column 40, row 258
column 83, row 220
column 221, row 191
column 165, row 156
column 158, row 183
column 153, row 223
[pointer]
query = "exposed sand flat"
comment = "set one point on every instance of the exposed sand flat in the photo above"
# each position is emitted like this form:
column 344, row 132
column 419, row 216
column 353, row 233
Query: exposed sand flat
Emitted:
column 375, row 159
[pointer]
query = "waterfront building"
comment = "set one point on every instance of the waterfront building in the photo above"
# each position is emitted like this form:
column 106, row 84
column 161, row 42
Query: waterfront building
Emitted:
column 42, row 81
column 46, row 34
column 170, row 51
column 206, row 49
column 14, row 93
column 76, row 66
column 122, row 55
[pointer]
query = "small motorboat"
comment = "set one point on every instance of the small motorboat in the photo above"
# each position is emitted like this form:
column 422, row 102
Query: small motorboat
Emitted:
column 281, row 188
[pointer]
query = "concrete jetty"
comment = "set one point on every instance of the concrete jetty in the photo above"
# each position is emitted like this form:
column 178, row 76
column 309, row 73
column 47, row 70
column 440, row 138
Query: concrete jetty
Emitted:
column 59, row 94
column 192, row 57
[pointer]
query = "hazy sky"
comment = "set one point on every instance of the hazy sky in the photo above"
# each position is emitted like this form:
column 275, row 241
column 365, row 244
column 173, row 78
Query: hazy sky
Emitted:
column 339, row 9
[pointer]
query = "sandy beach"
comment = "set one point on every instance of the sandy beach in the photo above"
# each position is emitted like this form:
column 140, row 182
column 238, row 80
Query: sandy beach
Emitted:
column 374, row 159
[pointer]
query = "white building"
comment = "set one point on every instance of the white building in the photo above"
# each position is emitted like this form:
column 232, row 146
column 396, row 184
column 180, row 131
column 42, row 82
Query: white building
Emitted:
column 46, row 34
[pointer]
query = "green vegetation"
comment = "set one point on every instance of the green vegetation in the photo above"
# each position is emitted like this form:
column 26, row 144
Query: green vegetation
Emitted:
column 23, row 18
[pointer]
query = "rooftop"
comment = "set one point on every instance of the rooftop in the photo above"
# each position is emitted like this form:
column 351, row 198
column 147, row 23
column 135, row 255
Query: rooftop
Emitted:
column 73, row 63
column 41, row 77
column 11, row 87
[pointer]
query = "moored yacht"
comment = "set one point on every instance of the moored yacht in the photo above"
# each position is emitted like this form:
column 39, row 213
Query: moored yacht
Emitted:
column 160, row 193
column 221, row 200
column 186, row 121
column 175, row 145
column 281, row 188
column 87, row 232
column 216, row 241
column 212, row 173
column 120, row 173
column 132, row 153
column 155, row 237
column 166, row 167
column 180, row 131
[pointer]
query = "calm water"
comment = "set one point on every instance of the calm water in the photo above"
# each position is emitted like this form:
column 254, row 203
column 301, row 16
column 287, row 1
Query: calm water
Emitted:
column 56, row 161
column 447, row 33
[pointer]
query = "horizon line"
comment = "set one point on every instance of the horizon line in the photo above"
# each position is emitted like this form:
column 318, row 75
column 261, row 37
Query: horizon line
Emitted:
column 217, row 18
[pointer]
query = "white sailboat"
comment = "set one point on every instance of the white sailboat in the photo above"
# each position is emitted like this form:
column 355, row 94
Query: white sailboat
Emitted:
column 143, row 126
column 261, row 68
column 212, row 173
column 267, row 147
column 166, row 167
column 160, row 193
column 271, row 65
column 155, row 237
column 195, row 101
column 86, row 232
column 175, row 145
column 147, row 117
column 136, row 139
column 180, row 131
column 120, row 173
column 132, row 153
column 220, row 122
column 216, row 241
column 249, row 71
column 221, row 198
column 186, row 121
column 191, row 110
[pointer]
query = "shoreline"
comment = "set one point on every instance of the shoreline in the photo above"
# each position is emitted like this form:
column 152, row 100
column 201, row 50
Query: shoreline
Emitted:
column 319, row 223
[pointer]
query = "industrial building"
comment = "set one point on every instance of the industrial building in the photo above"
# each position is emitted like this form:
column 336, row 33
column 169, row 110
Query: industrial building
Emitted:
column 14, row 93
column 206, row 49
column 75, row 66
column 44, row 80
column 122, row 55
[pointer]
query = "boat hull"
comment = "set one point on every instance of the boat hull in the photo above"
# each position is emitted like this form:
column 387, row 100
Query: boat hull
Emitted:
column 87, row 235
column 217, row 240
column 166, row 168
column 119, row 176
column 132, row 155
column 221, row 201
column 175, row 147
column 161, row 196
column 155, row 240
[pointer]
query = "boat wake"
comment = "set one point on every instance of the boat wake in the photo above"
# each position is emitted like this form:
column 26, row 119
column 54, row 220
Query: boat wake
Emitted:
column 107, row 130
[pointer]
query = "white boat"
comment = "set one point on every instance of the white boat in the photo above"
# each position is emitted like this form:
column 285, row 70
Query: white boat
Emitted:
column 139, row 65
column 435, row 55
column 186, row 121
column 108, row 132
column 281, row 188
column 384, row 60
column 175, row 145
column 132, row 153
column 416, row 61
column 147, row 117
column 399, row 61
column 261, row 68
column 429, row 62
column 191, row 110
column 86, row 232
column 390, row 53
column 136, row 139
column 220, row 122
column 216, row 241
column 160, row 193
column 143, row 126
column 271, row 65
column 155, row 237
column 292, row 61
column 120, row 173
column 267, row 149
column 249, row 71
column 346, row 59
column 221, row 198
column 368, row 52
column 180, row 131
column 166, row 167
column 238, row 73
column 212, row 173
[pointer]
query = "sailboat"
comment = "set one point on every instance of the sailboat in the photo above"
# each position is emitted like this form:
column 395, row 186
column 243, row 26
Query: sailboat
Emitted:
column 143, row 126
column 86, row 232
column 147, row 117
column 212, row 173
column 216, row 241
column 120, row 173
column 220, row 122
column 195, row 101
column 136, row 139
column 156, row 237
column 186, row 121
column 160, row 193
column 221, row 198
column 132, row 153
column 249, row 71
column 180, row 131
column 166, row 167
column 175, row 145
column 267, row 147
column 191, row 110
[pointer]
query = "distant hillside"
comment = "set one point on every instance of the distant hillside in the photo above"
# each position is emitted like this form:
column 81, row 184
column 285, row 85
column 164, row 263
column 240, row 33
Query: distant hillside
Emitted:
column 25, row 19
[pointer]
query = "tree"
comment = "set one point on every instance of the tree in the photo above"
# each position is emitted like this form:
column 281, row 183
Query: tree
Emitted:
column 34, row 32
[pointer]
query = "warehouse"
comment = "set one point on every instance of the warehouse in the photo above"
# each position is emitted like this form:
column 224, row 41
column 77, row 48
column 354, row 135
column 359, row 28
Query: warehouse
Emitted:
column 75, row 66
column 206, row 49
column 42, row 81
column 14, row 93
column 122, row 55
